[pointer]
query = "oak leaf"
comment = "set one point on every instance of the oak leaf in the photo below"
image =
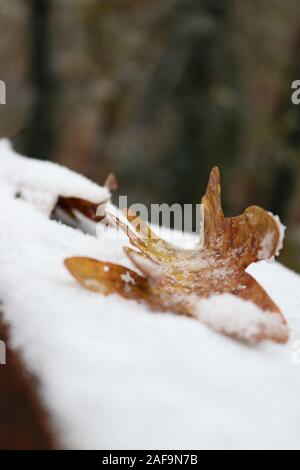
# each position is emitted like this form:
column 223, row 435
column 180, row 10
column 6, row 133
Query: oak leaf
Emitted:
column 199, row 283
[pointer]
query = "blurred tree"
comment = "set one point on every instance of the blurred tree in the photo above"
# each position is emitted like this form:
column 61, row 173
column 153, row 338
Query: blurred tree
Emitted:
column 14, row 65
column 196, row 79
column 40, row 138
column 286, row 184
column 175, row 104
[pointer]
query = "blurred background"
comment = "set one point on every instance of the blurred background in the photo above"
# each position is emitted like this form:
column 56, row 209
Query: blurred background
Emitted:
column 158, row 92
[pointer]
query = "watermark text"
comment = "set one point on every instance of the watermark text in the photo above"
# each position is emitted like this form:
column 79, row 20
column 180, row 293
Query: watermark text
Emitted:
column 2, row 353
column 296, row 93
column 2, row 92
column 296, row 353
column 183, row 219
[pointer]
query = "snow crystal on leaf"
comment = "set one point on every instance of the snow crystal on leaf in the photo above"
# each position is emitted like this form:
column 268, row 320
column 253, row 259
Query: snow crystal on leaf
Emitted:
column 233, row 316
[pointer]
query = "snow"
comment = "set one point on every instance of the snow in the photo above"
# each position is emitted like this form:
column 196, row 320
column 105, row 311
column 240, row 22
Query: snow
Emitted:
column 127, row 278
column 220, row 313
column 40, row 182
column 267, row 242
column 282, row 230
column 113, row 374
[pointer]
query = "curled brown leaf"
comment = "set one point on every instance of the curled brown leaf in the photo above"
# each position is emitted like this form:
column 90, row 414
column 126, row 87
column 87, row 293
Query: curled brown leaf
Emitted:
column 68, row 208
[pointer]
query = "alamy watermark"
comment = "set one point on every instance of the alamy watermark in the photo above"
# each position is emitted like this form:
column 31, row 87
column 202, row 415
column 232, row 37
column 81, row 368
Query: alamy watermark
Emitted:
column 296, row 353
column 183, row 219
column 2, row 92
column 2, row 353
column 296, row 92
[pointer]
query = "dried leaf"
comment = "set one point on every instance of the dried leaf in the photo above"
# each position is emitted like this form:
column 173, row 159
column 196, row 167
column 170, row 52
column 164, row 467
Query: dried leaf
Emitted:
column 175, row 279
column 70, row 205
column 67, row 208
column 111, row 183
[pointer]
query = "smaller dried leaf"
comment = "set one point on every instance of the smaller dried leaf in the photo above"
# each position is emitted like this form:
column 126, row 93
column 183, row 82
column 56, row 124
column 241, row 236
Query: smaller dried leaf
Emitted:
column 111, row 183
column 67, row 208
column 89, row 209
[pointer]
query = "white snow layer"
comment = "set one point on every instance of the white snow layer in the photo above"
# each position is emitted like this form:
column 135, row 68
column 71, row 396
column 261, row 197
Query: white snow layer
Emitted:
column 243, row 319
column 113, row 374
column 40, row 182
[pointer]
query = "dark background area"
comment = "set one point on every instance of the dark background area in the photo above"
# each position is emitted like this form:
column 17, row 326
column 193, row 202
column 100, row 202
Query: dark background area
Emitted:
column 159, row 92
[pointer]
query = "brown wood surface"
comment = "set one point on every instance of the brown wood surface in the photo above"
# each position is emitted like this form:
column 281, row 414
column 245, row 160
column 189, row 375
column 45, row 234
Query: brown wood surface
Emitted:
column 24, row 424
